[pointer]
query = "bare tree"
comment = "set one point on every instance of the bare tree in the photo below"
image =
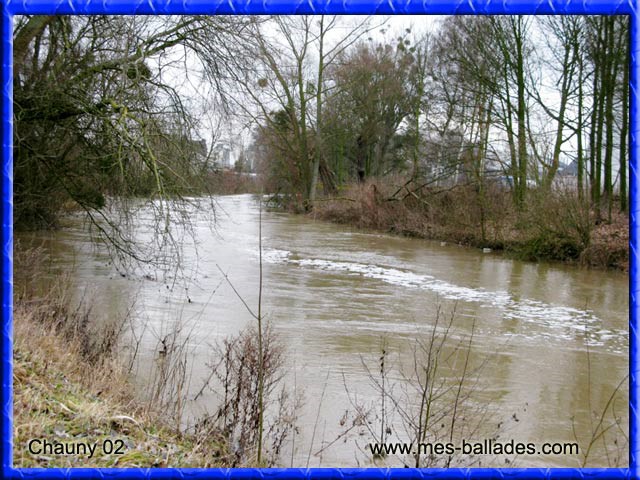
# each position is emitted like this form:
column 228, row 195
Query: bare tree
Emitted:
column 98, row 122
column 284, row 90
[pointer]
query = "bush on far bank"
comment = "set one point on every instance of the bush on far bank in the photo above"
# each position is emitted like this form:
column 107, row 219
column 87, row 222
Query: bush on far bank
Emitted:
column 553, row 225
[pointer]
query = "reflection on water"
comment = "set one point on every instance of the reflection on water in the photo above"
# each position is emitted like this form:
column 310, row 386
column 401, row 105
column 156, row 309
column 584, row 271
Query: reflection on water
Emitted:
column 334, row 295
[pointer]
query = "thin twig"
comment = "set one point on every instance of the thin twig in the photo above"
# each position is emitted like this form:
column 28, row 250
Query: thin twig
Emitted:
column 315, row 425
column 237, row 293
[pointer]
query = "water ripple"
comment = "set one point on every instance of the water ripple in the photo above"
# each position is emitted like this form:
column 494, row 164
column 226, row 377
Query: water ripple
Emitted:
column 564, row 321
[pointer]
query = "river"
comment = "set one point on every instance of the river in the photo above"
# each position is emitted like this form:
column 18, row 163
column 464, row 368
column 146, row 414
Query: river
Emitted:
column 550, row 342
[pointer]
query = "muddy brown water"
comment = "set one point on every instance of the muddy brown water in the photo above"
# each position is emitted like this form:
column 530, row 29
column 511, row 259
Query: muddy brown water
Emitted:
column 552, row 339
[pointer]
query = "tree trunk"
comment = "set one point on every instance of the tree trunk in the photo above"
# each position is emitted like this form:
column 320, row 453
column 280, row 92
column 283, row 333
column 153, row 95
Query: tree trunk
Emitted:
column 624, row 131
column 522, row 139
column 579, row 129
column 612, row 71
column 315, row 169
column 602, row 65
column 34, row 27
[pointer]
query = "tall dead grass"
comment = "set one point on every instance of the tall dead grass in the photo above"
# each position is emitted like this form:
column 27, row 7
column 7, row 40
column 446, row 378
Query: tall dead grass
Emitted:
column 56, row 333
column 43, row 306
column 72, row 383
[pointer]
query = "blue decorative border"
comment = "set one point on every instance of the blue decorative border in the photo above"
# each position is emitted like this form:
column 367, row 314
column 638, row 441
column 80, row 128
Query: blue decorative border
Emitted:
column 441, row 7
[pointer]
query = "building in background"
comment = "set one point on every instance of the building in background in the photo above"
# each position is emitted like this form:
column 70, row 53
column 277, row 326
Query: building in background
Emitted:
column 227, row 153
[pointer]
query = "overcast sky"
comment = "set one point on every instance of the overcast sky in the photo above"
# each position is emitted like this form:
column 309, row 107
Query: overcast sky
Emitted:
column 197, row 92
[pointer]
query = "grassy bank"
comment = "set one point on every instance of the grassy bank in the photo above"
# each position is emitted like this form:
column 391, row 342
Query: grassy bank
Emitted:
column 71, row 387
column 553, row 226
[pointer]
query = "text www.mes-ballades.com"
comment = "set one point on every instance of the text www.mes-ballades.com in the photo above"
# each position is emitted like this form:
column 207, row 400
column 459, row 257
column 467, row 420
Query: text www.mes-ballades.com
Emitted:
column 485, row 447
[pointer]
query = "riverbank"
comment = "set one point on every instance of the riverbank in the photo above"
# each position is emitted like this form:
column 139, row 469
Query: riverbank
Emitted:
column 71, row 388
column 552, row 227
column 336, row 298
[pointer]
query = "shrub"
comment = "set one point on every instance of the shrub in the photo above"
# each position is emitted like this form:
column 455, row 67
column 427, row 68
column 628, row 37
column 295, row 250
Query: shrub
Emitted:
column 235, row 374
